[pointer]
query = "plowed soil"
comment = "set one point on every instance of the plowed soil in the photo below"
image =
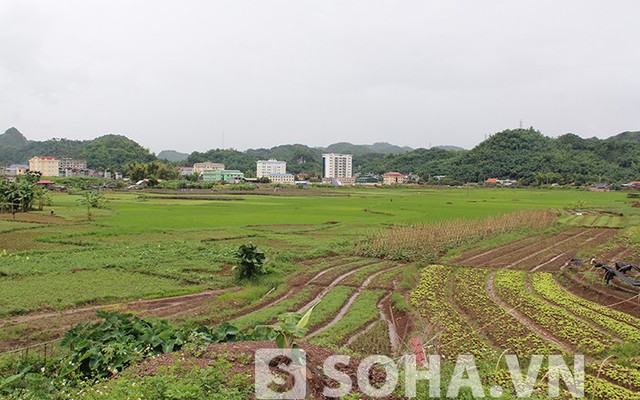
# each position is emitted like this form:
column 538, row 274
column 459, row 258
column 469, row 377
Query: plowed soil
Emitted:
column 540, row 252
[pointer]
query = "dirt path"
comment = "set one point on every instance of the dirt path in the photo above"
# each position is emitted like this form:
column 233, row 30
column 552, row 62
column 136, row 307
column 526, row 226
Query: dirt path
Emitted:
column 37, row 329
column 543, row 333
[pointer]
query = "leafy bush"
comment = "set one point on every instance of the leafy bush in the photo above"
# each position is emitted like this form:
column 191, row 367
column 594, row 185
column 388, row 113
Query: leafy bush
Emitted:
column 99, row 350
column 251, row 260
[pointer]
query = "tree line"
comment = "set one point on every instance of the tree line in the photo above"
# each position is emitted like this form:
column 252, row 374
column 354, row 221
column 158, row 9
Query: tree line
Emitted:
column 525, row 155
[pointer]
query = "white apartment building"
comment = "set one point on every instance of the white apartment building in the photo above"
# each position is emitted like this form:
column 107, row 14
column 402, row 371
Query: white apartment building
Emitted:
column 268, row 167
column 48, row 166
column 69, row 163
column 337, row 165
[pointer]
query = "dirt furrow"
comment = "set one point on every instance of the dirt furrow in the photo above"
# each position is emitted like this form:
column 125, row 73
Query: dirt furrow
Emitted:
column 384, row 306
column 513, row 264
column 537, row 267
column 518, row 245
column 359, row 334
column 295, row 289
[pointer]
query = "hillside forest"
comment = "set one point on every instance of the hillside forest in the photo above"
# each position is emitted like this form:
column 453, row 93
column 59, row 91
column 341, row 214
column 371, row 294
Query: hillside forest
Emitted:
column 525, row 155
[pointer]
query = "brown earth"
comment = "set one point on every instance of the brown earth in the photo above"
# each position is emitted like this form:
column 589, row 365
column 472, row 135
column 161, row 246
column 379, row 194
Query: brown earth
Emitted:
column 241, row 355
column 540, row 252
column 608, row 296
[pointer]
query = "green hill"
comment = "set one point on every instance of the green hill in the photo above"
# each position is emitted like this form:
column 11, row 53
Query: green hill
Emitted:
column 12, row 138
column 109, row 151
column 627, row 136
column 172, row 155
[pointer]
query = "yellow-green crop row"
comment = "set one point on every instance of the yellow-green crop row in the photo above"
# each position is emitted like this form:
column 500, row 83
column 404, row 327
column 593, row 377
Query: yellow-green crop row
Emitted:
column 544, row 284
column 603, row 390
column 620, row 316
column 623, row 376
column 453, row 335
column 470, row 293
column 510, row 286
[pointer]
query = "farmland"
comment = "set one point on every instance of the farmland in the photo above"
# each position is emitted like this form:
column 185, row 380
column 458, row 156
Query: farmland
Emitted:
column 498, row 275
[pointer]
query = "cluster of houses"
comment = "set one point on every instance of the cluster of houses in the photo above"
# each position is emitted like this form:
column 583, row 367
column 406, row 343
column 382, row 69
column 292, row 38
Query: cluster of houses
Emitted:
column 337, row 169
column 53, row 166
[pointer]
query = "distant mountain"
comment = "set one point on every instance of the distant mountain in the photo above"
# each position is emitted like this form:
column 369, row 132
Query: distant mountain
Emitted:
column 13, row 138
column 450, row 148
column 172, row 155
column 108, row 151
column 627, row 136
column 358, row 149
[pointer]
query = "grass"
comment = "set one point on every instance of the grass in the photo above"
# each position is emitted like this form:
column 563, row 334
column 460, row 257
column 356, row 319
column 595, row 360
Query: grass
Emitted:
column 329, row 305
column 175, row 246
column 60, row 291
column 269, row 315
column 375, row 341
column 363, row 310
column 163, row 246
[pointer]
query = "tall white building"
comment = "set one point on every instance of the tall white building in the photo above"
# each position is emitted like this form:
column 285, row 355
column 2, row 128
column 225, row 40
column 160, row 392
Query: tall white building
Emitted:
column 269, row 167
column 337, row 165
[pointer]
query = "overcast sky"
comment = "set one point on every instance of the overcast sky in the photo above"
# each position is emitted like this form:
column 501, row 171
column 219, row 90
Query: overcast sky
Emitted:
column 177, row 74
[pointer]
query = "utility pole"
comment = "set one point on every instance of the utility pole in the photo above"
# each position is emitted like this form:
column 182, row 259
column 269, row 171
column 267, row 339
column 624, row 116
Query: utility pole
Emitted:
column 222, row 140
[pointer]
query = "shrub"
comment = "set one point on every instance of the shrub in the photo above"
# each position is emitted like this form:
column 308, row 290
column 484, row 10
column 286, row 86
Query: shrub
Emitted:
column 251, row 260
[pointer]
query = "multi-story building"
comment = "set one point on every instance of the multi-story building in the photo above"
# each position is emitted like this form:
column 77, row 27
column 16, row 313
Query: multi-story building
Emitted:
column 199, row 168
column 267, row 167
column 186, row 171
column 277, row 177
column 393, row 178
column 16, row 169
column 222, row 175
column 337, row 167
column 71, row 167
column 69, row 163
column 47, row 166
